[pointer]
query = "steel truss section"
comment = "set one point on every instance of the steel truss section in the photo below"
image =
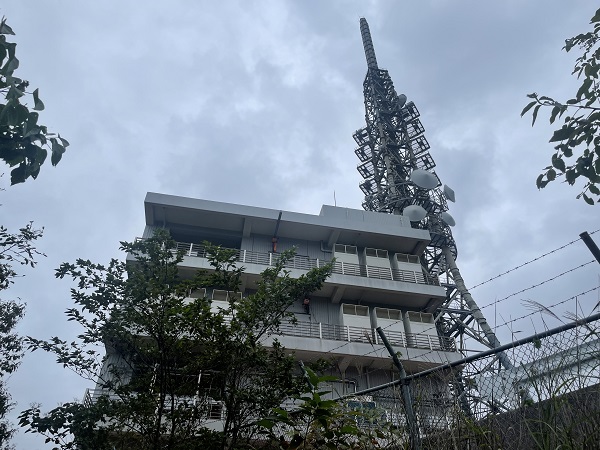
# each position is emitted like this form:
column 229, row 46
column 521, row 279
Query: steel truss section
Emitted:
column 390, row 147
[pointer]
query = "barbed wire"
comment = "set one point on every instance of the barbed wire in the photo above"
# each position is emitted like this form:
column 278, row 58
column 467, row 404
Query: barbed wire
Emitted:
column 574, row 297
column 530, row 261
column 495, row 302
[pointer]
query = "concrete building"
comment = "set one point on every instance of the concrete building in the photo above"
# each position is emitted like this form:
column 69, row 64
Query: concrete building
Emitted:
column 377, row 280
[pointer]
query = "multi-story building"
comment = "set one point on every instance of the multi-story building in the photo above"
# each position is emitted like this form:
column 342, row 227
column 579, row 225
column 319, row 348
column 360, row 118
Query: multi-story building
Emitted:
column 377, row 281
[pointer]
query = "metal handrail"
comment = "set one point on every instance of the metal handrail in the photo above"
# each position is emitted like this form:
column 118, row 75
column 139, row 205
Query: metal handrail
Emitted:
column 214, row 409
column 305, row 263
column 347, row 333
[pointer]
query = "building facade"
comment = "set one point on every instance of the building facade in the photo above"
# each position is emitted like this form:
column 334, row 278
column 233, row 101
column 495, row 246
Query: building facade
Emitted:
column 377, row 281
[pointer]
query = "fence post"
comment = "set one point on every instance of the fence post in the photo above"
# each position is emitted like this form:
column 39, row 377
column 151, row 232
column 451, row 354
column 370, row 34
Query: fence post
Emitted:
column 190, row 252
column 348, row 332
column 411, row 419
column 320, row 330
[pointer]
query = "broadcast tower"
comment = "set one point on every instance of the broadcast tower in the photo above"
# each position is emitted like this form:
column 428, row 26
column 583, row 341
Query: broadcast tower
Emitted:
column 399, row 178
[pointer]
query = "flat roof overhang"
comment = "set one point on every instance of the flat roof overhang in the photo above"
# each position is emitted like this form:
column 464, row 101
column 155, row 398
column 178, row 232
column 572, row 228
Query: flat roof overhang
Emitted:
column 332, row 225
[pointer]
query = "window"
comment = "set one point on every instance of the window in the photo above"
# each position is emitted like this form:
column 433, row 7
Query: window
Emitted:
column 198, row 293
column 403, row 257
column 349, row 249
column 221, row 295
column 415, row 316
column 355, row 310
column 384, row 313
column 376, row 253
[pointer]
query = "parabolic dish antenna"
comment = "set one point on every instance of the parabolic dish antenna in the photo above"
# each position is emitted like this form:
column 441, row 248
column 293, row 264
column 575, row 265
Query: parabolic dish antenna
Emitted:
column 446, row 217
column 424, row 179
column 401, row 100
column 449, row 193
column 415, row 213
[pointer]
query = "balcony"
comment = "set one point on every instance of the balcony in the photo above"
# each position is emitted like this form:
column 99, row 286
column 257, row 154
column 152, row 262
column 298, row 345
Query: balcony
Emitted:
column 362, row 347
column 367, row 335
column 212, row 410
column 305, row 263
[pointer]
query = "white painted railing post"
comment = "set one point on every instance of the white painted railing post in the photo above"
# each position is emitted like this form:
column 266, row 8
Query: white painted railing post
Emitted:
column 320, row 330
column 348, row 331
column 270, row 259
column 244, row 257
column 317, row 263
column 430, row 343
column 190, row 252
column 391, row 274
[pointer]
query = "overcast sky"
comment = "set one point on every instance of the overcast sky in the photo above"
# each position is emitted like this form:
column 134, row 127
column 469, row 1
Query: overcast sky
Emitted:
column 255, row 103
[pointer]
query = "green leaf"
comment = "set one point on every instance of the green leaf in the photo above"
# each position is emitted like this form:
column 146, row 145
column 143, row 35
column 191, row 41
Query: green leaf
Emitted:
column 551, row 175
column 527, row 108
column 555, row 112
column 562, row 134
column 17, row 175
column 567, row 151
column 38, row 104
column 535, row 113
column 539, row 181
column 588, row 200
column 57, row 152
column 596, row 17
column 571, row 175
column 5, row 29
column 584, row 89
column 349, row 429
column 11, row 66
column 594, row 189
column 558, row 163
column 64, row 142
column 266, row 423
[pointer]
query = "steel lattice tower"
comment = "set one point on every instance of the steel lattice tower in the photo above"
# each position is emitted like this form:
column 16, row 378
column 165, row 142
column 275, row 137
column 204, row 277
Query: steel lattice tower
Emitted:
column 392, row 148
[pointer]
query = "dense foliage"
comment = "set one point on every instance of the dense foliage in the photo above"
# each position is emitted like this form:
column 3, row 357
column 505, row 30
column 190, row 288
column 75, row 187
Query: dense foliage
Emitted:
column 173, row 363
column 577, row 141
column 24, row 143
column 15, row 248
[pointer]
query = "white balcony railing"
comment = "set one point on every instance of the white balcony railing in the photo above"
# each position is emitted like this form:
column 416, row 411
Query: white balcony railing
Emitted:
column 366, row 335
column 211, row 409
column 305, row 263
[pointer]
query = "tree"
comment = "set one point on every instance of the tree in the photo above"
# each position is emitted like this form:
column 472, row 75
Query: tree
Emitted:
column 171, row 362
column 318, row 423
column 579, row 135
column 14, row 249
column 24, row 143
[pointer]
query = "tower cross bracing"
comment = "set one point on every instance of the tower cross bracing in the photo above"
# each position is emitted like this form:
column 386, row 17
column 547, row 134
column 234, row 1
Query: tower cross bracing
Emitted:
column 392, row 150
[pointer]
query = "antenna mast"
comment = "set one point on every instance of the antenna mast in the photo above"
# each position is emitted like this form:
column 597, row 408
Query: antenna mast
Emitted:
column 399, row 178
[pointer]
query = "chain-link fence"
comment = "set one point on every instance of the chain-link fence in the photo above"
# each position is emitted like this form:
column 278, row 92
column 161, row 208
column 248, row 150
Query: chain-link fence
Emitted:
column 546, row 397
